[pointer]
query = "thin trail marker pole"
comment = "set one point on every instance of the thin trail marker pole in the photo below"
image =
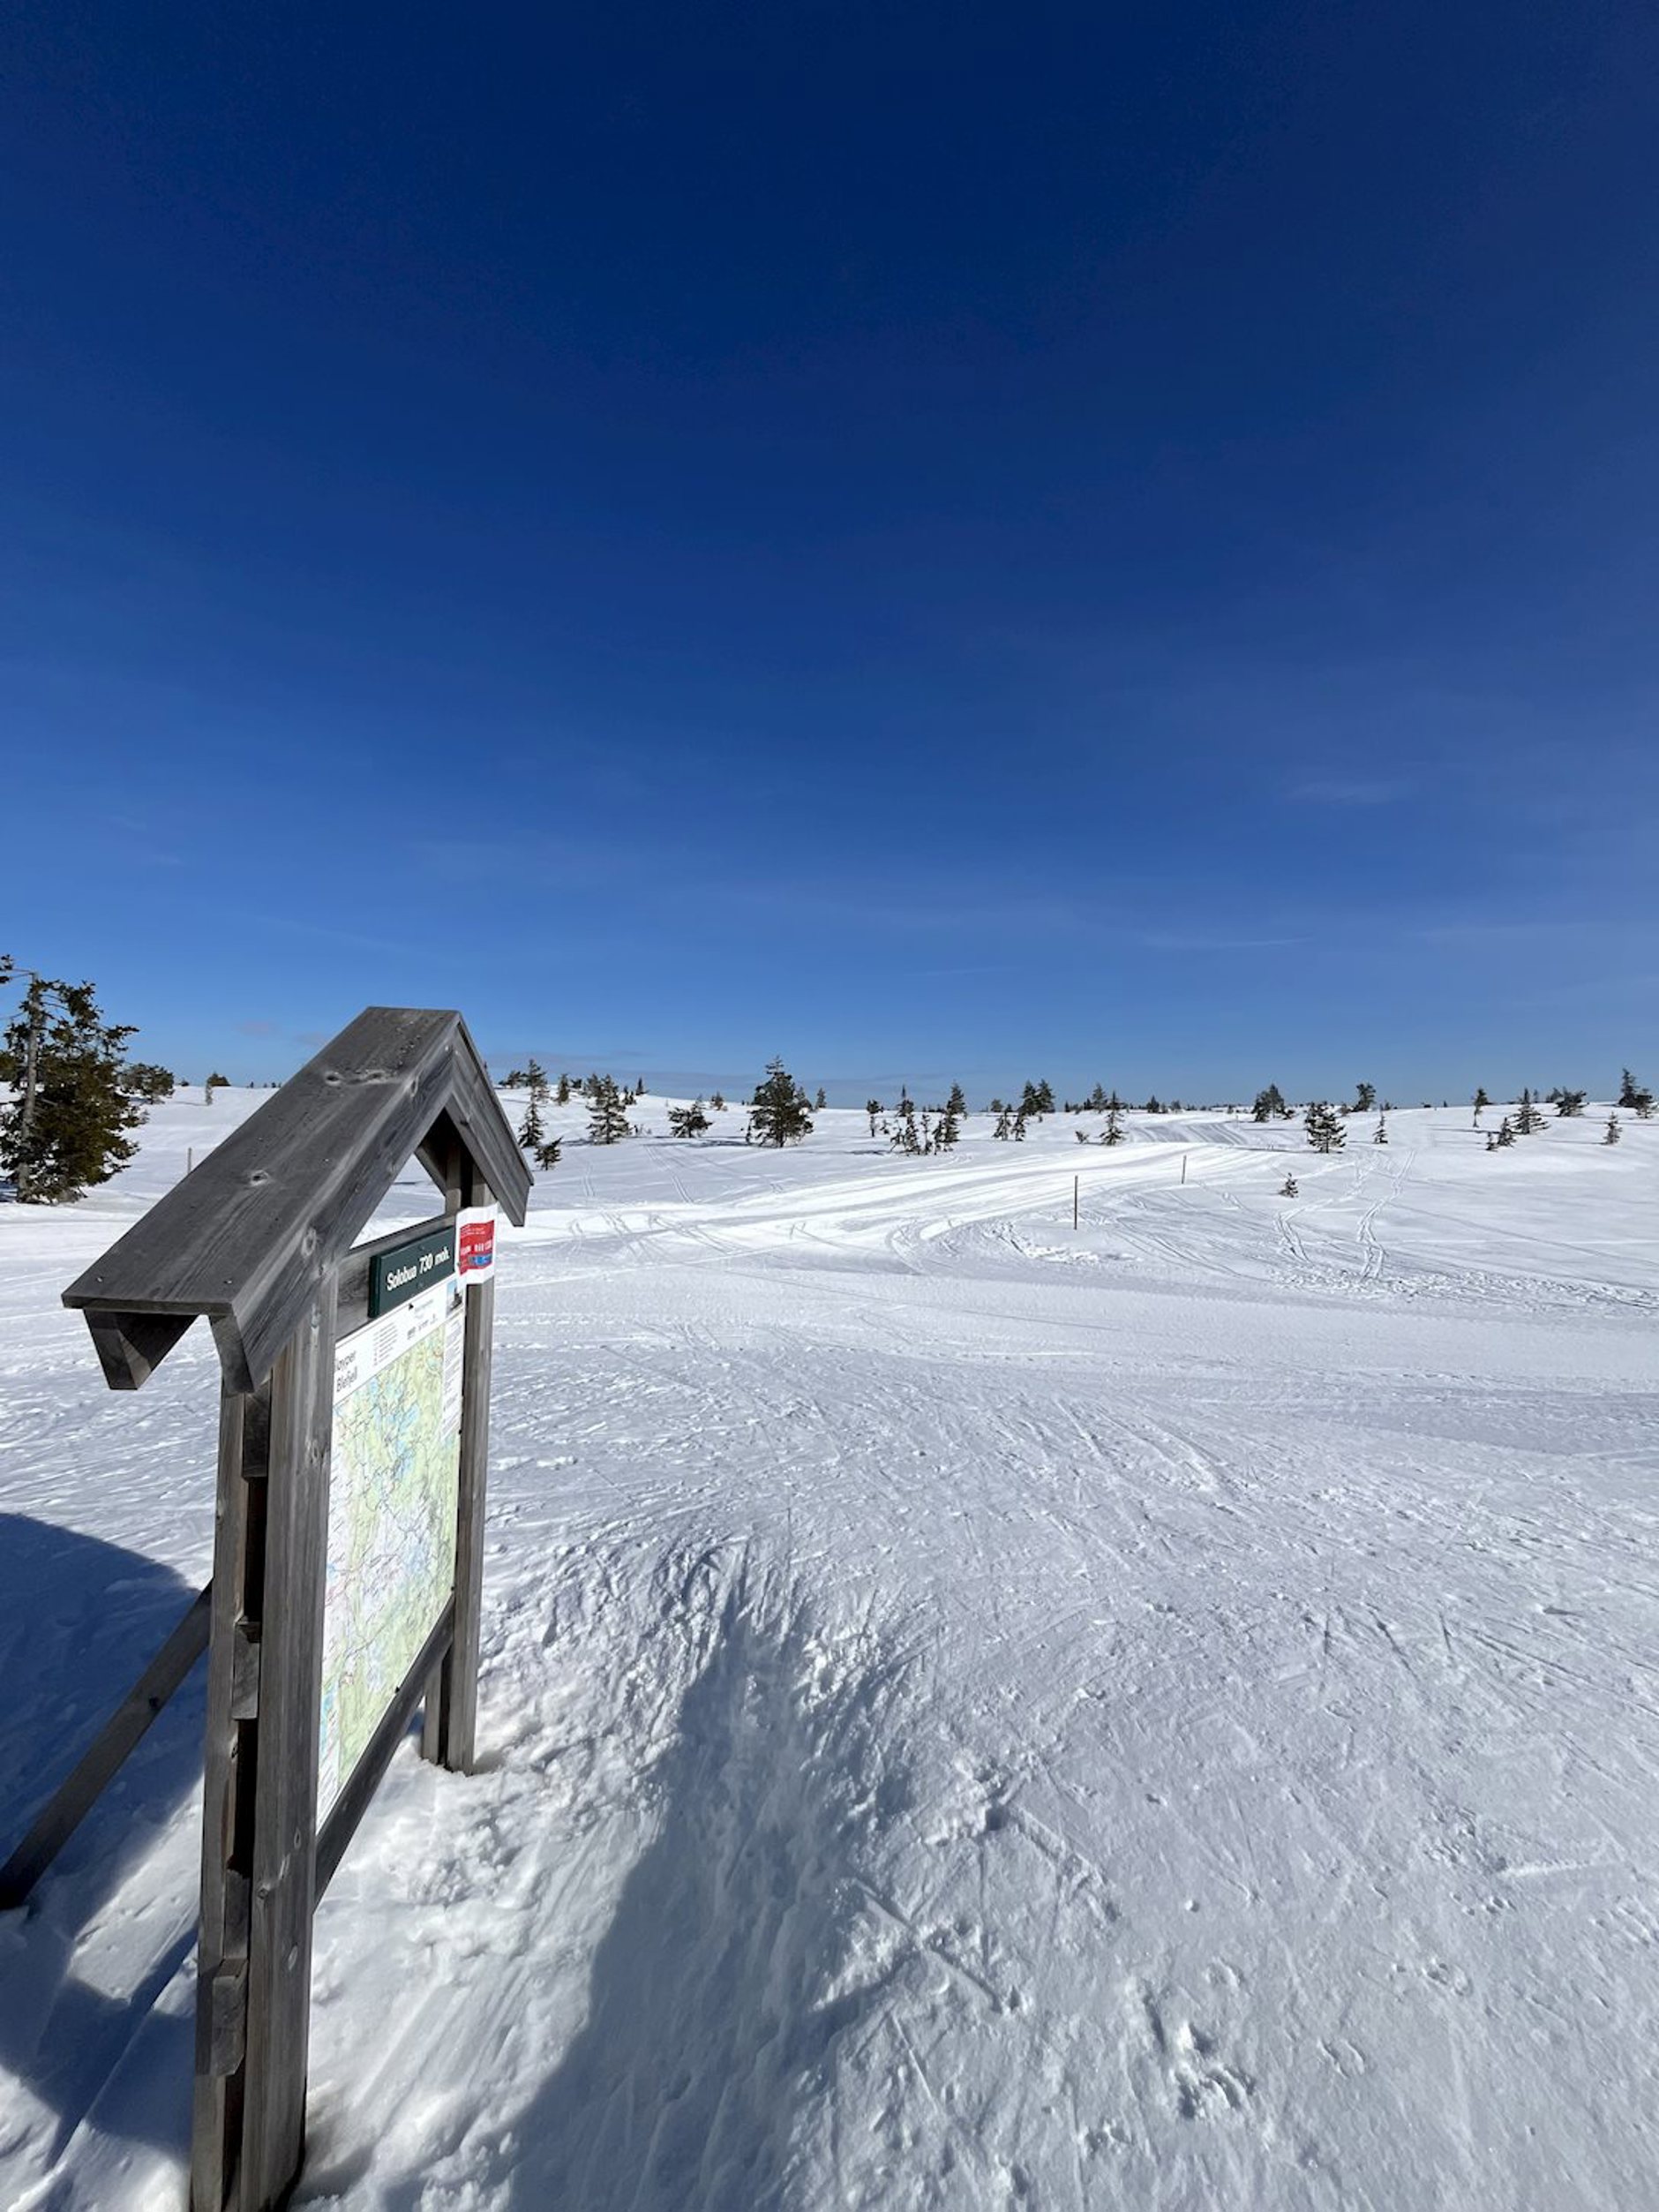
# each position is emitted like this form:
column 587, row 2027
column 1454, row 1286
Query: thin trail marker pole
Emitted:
column 1183, row 1167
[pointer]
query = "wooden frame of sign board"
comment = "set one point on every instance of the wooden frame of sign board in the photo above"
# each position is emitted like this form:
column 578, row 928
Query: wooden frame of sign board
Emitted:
column 259, row 1238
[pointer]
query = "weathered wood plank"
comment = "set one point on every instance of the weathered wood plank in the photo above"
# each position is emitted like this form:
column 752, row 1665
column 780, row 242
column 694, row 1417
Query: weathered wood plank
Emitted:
column 248, row 1238
column 458, row 1727
column 285, row 1809
column 221, row 1949
column 92, row 1772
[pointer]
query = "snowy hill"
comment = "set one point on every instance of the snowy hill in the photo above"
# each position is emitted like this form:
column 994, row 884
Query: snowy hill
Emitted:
column 976, row 1712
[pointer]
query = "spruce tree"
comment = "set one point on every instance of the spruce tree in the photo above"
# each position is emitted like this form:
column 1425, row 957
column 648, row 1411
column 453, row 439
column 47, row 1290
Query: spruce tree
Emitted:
column 904, row 1137
column 873, row 1108
column 607, row 1117
column 1481, row 1102
column 687, row 1121
column 1506, row 1134
column 1019, row 1125
column 561, row 1094
column 147, row 1081
column 777, row 1112
column 1569, row 1105
column 1364, row 1097
column 1633, row 1095
column 535, row 1082
column 1612, row 1132
column 1528, row 1117
column 1268, row 1104
column 532, row 1135
column 1381, row 1138
column 65, row 1130
column 1323, row 1125
column 947, row 1129
column 717, row 1101
column 1004, row 1123
column 547, row 1155
column 1288, row 1189
column 1113, row 1133
column 819, row 1100
column 957, row 1101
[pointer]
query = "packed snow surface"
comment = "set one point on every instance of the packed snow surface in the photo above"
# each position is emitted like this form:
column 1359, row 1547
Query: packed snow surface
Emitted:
column 976, row 1712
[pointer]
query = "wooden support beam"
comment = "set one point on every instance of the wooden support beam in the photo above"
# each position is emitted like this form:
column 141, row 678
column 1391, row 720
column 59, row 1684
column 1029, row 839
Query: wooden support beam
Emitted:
column 227, row 1781
column 285, row 1799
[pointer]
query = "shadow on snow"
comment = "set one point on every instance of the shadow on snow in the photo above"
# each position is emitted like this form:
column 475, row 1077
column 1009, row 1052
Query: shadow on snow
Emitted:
column 79, row 1620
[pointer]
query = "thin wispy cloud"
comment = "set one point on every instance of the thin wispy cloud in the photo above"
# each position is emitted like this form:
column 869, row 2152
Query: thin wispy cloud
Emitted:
column 1352, row 791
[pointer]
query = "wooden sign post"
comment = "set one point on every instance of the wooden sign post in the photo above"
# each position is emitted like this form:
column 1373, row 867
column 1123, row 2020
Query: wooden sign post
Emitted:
column 312, row 1328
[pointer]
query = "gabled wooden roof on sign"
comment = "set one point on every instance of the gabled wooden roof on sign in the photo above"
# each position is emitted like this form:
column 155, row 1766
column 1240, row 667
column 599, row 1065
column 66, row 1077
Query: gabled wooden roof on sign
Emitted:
column 248, row 1237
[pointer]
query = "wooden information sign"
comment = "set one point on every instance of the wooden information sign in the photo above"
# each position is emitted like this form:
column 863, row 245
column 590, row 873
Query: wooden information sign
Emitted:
column 370, row 1362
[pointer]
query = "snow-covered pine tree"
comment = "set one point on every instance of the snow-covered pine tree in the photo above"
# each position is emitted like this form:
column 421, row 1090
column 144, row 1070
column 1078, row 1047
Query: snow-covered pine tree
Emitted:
column 1268, row 1104
column 561, row 1091
column 65, row 1126
column 688, row 1121
column 717, row 1101
column 777, row 1112
column 957, row 1101
column 1004, row 1123
column 1528, row 1117
column 535, row 1082
column 1288, row 1189
column 532, row 1135
column 1481, row 1102
column 1019, row 1125
column 547, row 1155
column 905, row 1138
column 1633, row 1095
column 1364, row 1097
column 1505, row 1136
column 1113, row 1133
column 1381, row 1138
column 1324, row 1126
column 819, row 1100
column 1612, row 1134
column 1569, row 1105
column 607, row 1117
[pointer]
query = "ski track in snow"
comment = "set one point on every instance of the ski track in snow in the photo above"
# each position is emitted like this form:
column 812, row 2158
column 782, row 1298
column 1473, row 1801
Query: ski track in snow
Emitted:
column 975, row 1713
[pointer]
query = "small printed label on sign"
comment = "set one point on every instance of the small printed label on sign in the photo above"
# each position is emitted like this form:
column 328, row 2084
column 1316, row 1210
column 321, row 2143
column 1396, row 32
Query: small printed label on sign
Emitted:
column 475, row 1244
column 398, row 1275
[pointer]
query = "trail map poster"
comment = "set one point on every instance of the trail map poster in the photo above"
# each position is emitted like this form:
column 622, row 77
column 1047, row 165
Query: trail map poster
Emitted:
column 392, row 1505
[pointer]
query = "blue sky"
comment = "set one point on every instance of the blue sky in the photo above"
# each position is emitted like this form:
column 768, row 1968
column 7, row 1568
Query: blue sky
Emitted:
column 964, row 540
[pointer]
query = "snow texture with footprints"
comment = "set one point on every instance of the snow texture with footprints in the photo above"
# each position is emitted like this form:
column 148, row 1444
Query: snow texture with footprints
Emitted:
column 974, row 1712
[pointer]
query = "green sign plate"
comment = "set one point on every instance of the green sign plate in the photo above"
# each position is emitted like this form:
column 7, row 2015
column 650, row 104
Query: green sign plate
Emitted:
column 403, row 1273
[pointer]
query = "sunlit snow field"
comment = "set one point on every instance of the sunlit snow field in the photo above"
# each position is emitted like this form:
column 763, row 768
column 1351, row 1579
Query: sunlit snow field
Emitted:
column 975, row 1713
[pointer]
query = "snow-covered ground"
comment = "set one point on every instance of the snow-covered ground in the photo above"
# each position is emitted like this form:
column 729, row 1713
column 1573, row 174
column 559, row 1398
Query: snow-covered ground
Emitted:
column 976, row 1713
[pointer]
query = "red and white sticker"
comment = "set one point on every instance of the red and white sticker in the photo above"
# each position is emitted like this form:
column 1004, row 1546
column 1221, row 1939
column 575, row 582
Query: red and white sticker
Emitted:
column 475, row 1244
